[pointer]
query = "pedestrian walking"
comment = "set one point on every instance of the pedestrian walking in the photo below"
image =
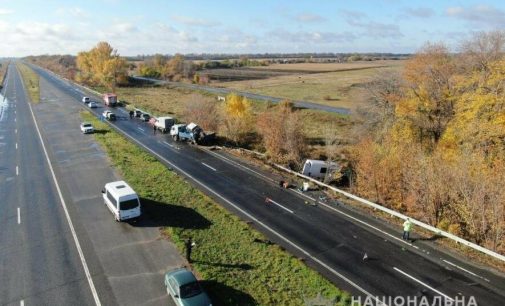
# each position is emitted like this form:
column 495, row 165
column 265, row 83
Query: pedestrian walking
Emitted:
column 189, row 244
column 154, row 129
column 407, row 227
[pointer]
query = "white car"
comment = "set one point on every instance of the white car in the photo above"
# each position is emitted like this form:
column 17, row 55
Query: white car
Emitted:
column 85, row 99
column 92, row 105
column 87, row 128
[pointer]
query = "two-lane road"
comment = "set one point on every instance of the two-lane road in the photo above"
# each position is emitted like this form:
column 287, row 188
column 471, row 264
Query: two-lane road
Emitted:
column 332, row 239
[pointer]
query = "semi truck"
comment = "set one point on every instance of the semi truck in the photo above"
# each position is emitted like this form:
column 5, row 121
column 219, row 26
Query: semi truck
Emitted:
column 110, row 99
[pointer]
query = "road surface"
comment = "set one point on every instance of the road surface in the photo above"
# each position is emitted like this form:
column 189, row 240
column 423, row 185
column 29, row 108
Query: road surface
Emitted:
column 39, row 261
column 331, row 238
column 250, row 95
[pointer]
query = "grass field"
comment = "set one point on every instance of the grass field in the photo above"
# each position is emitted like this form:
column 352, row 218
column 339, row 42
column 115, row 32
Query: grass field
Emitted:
column 165, row 101
column 344, row 88
column 329, row 67
column 3, row 71
column 31, row 82
column 238, row 264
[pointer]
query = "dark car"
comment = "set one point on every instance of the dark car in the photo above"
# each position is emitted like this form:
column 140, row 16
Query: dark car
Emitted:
column 184, row 288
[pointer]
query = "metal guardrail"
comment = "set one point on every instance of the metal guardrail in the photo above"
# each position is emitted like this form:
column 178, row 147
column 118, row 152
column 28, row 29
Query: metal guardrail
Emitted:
column 428, row 227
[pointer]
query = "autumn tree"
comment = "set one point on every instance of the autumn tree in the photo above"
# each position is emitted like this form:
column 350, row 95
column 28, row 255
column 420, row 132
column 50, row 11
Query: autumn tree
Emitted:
column 203, row 111
column 237, row 118
column 282, row 132
column 102, row 65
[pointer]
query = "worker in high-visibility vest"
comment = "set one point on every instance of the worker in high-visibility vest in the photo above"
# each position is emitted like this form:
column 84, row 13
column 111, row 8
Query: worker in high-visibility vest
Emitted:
column 407, row 227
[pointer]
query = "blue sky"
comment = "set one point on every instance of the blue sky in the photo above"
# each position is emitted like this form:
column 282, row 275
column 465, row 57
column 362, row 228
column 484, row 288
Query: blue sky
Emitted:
column 155, row 26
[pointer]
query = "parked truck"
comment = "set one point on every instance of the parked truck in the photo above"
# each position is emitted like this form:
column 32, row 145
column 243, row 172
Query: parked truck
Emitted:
column 163, row 124
column 110, row 99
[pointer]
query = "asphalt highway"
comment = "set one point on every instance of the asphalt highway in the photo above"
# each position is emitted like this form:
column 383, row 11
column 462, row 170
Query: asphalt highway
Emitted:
column 250, row 95
column 40, row 262
column 331, row 238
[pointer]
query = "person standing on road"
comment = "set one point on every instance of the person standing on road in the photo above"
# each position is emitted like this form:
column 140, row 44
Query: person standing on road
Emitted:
column 154, row 129
column 407, row 227
column 131, row 114
column 189, row 244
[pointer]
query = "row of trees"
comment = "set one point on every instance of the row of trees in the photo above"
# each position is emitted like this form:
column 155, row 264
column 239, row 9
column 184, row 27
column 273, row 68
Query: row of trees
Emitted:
column 435, row 143
column 279, row 127
column 160, row 66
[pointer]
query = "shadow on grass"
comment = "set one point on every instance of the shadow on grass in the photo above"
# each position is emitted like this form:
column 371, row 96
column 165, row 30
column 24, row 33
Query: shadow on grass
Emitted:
column 102, row 132
column 158, row 214
column 245, row 267
column 221, row 294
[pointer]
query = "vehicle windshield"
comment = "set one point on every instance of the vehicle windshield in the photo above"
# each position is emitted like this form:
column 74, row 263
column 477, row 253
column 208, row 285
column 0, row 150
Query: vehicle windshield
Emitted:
column 128, row 204
column 190, row 290
column 87, row 125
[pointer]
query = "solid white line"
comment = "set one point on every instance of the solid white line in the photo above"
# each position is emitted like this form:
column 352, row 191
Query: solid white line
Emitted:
column 426, row 285
column 273, row 202
column 19, row 216
column 463, row 269
column 315, row 259
column 213, row 169
column 17, row 170
column 67, row 215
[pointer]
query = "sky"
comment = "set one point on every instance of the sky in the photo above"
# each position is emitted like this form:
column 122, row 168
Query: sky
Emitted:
column 34, row 27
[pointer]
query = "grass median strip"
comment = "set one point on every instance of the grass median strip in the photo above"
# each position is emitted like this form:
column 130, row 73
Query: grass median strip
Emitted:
column 238, row 264
column 31, row 81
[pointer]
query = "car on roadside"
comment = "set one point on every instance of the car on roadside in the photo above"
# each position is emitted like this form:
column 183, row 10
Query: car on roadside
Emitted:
column 92, row 104
column 137, row 113
column 85, row 100
column 185, row 289
column 145, row 117
column 87, row 128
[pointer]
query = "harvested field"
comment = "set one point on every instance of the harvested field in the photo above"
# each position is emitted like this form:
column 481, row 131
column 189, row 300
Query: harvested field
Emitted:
column 339, row 89
column 328, row 67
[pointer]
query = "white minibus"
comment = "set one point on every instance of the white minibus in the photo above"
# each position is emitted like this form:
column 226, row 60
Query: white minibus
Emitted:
column 121, row 200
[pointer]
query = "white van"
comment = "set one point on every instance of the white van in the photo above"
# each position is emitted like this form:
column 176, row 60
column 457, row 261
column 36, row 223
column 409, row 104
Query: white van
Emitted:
column 318, row 169
column 121, row 200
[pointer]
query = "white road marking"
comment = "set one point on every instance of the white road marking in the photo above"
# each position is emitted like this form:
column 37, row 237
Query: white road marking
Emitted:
column 463, row 269
column 16, row 131
column 17, row 170
column 239, row 165
column 141, row 129
column 19, row 216
column 358, row 220
column 424, row 284
column 254, row 219
column 273, row 202
column 22, row 303
column 168, row 144
column 14, row 119
column 213, row 169
column 67, row 215
column 16, row 145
